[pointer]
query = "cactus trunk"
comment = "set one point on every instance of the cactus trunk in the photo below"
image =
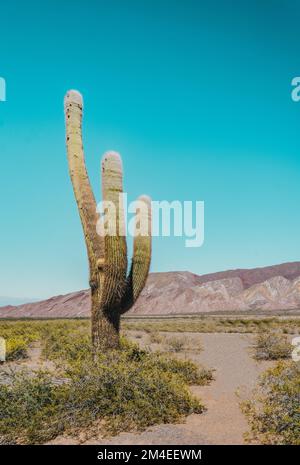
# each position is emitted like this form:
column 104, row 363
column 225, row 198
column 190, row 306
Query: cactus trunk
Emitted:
column 105, row 327
column 112, row 291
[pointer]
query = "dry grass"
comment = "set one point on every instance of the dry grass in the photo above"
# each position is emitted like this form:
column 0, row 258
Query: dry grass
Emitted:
column 209, row 324
column 177, row 344
column 155, row 337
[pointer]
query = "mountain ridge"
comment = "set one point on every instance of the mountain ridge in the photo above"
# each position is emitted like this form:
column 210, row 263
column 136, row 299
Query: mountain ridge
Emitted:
column 275, row 287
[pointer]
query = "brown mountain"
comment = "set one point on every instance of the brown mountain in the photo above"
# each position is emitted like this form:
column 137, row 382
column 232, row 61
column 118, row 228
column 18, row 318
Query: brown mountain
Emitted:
column 256, row 275
column 270, row 288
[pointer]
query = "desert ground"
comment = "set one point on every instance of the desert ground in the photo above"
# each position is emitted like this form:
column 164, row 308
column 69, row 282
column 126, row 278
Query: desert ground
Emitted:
column 224, row 345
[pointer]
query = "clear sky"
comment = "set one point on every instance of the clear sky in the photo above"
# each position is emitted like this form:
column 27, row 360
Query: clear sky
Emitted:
column 196, row 97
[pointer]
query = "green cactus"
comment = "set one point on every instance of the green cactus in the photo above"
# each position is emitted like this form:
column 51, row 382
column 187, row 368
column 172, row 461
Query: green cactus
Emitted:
column 112, row 291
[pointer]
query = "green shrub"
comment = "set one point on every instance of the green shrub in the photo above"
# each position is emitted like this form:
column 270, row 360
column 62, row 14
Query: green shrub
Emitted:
column 63, row 342
column 272, row 346
column 16, row 348
column 29, row 409
column 274, row 411
column 186, row 369
column 123, row 390
column 130, row 390
column 18, row 335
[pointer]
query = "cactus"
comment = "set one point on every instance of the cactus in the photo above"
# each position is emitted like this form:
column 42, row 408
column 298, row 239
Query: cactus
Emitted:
column 113, row 292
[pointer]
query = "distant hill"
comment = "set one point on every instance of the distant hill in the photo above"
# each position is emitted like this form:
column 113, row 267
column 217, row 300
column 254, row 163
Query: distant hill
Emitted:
column 257, row 275
column 4, row 300
column 270, row 288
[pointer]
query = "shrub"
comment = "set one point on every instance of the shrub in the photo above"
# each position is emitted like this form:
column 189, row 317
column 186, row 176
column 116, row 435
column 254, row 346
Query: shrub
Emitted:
column 123, row 390
column 63, row 342
column 274, row 411
column 29, row 409
column 186, row 369
column 272, row 346
column 130, row 390
column 176, row 344
column 18, row 336
column 155, row 337
column 16, row 348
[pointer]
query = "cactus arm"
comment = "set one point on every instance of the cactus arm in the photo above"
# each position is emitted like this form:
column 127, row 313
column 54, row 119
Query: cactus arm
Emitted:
column 115, row 263
column 81, row 185
column 141, row 260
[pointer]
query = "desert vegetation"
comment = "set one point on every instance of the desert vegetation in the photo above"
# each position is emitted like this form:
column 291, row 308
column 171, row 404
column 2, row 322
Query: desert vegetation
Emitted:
column 274, row 411
column 272, row 346
column 176, row 344
column 118, row 390
column 18, row 335
column 180, row 343
column 209, row 324
column 145, row 382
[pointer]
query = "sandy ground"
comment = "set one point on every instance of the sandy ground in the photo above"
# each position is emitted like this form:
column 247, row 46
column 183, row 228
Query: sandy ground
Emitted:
column 236, row 374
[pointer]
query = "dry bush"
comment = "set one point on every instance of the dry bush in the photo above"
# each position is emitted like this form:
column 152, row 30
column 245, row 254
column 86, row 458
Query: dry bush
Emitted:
column 155, row 337
column 272, row 346
column 177, row 344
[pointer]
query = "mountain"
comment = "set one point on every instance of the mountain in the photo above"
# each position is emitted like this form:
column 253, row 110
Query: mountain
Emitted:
column 270, row 288
column 15, row 300
column 257, row 275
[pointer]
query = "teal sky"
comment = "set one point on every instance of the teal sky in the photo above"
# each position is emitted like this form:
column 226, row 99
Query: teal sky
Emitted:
column 196, row 97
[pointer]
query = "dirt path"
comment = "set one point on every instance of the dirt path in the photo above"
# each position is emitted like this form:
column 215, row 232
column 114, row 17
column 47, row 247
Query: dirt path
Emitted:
column 223, row 422
column 236, row 372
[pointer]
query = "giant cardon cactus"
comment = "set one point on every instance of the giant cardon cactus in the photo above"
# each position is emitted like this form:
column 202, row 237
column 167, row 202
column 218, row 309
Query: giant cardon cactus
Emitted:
column 113, row 292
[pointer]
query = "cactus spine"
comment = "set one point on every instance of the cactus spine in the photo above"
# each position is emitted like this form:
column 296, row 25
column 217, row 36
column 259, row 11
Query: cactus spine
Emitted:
column 112, row 291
